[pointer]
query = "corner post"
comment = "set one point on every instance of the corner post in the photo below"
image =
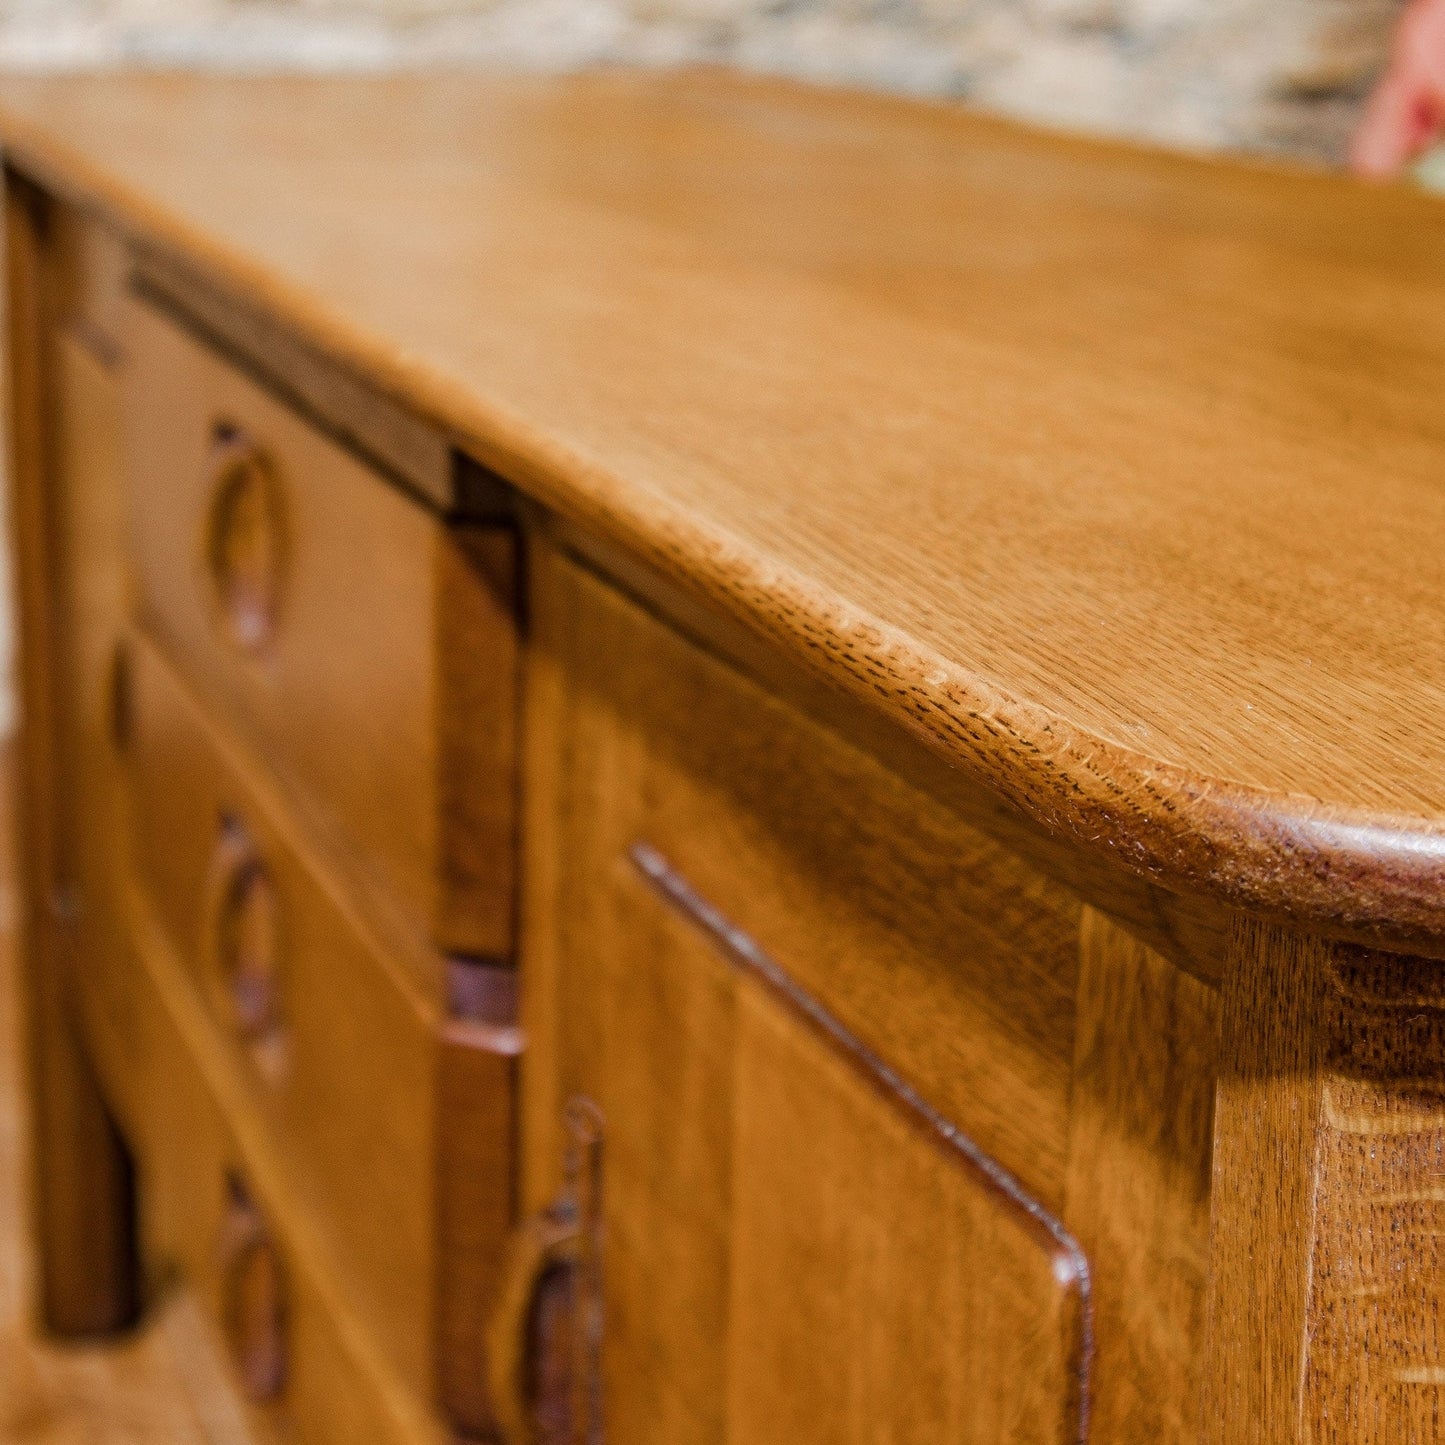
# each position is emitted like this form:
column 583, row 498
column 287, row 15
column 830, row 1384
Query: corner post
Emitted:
column 82, row 1203
column 1327, row 1233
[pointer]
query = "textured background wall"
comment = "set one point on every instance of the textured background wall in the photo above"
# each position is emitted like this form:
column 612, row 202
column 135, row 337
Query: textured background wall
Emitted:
column 1283, row 75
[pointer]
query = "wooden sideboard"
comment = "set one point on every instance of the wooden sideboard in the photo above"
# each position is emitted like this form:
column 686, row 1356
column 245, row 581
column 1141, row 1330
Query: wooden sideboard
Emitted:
column 707, row 762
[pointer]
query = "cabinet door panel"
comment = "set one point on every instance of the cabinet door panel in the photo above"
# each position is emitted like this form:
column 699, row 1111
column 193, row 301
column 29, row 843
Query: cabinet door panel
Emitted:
column 665, row 1086
column 881, row 1291
column 798, row 1245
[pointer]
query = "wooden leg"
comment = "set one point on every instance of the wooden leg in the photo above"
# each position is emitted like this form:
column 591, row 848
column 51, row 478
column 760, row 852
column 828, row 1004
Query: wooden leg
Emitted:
column 83, row 1189
column 1328, row 1217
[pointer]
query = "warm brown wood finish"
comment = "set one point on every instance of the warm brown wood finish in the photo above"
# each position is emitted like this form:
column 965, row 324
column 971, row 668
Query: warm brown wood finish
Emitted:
column 391, row 437
column 861, row 904
column 403, row 1167
column 1137, row 1190
column 911, row 646
column 365, row 1146
column 198, row 1146
column 317, row 620
column 1329, row 1177
column 157, row 1383
column 1007, row 434
column 739, row 1141
column 63, row 430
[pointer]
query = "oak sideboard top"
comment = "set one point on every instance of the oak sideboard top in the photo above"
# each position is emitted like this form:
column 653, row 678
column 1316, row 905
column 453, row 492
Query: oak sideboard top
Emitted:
column 1117, row 477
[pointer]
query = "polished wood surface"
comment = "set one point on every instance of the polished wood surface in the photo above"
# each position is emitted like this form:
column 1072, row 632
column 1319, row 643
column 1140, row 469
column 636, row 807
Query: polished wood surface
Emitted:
column 1329, row 1176
column 200, row 1143
column 65, row 520
column 391, row 437
column 1111, row 474
column 369, row 621
column 750, row 1122
column 1137, row 1191
column 361, row 1145
column 251, row 1070
column 162, row 1383
column 861, row 902
column 966, row 681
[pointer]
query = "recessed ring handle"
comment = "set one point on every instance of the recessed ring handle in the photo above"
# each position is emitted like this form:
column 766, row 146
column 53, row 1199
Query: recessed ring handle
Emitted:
column 245, row 537
column 243, row 928
column 253, row 1297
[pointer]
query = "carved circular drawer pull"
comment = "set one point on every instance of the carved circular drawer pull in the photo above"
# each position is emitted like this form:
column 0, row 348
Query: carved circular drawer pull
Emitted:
column 245, row 929
column 253, row 1297
column 245, row 538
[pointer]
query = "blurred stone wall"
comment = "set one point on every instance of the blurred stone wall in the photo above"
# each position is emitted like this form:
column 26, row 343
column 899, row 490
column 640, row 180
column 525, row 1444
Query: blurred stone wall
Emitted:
column 1260, row 75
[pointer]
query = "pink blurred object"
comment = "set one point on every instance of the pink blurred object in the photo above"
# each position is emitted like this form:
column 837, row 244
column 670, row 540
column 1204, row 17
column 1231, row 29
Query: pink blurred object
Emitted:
column 1406, row 114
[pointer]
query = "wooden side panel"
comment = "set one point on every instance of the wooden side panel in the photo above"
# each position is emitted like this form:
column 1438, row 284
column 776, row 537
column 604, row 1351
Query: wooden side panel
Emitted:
column 476, row 1206
column 1262, row 1212
column 645, row 1029
column 788, row 1254
column 87, row 504
column 478, row 663
column 59, row 454
column 1137, row 1195
column 651, row 1042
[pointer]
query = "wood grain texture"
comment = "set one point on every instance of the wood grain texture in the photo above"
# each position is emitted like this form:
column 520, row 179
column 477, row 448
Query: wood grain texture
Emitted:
column 159, row 1383
column 198, row 1132
column 475, row 1188
column 937, row 948
column 1138, row 1185
column 1376, row 1357
column 477, row 576
column 389, row 437
column 1328, row 1180
column 406, row 1163
column 390, row 630
column 919, row 1304
column 1191, row 930
column 1266, row 1113
column 335, row 1124
column 1065, row 455
column 743, row 1152
column 743, row 1156
column 58, row 412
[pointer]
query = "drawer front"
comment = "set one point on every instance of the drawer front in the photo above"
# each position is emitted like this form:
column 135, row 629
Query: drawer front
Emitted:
column 210, row 1211
column 393, row 1117
column 786, row 1021
column 368, row 648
